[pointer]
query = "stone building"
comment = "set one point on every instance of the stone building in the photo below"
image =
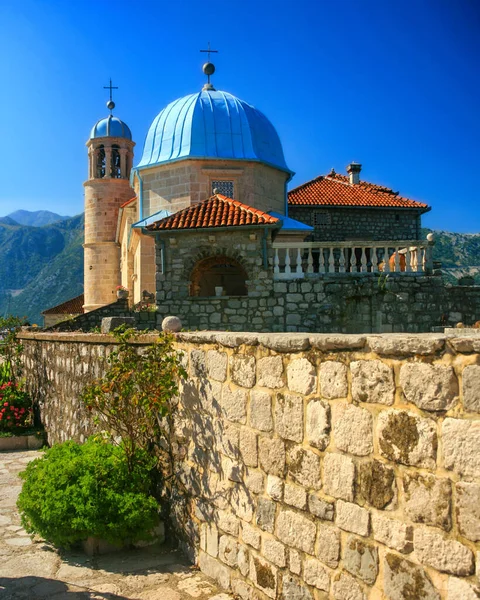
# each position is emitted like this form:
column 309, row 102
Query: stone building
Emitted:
column 204, row 224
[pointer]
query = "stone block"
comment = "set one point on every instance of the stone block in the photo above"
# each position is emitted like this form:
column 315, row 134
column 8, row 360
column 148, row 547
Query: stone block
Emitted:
column 461, row 446
column 315, row 574
column 294, row 561
column 376, row 483
column 318, row 424
column 248, row 446
column 468, row 510
column 231, row 469
column 261, row 410
column 471, row 388
column 428, row 499
column 234, row 404
column 243, row 561
column 392, row 533
column 263, row 575
column 217, row 365
column 228, row 551
column 346, row 587
column 353, row 518
column 338, row 476
column 301, row 376
column 265, row 516
column 459, row 589
column 274, row 551
column 242, row 503
column 353, row 429
column 198, row 366
column 398, row 345
column 430, row 387
column 289, row 417
column 372, row 381
column 295, row 495
column 320, row 507
column 214, row 569
column 109, row 324
column 251, row 536
column 242, row 370
column 328, row 545
column 293, row 590
column 270, row 372
column 275, row 487
column 402, row 579
column 296, row 530
column 254, row 481
column 360, row 559
column 333, row 380
column 228, row 522
column 407, row 438
column 441, row 553
column 271, row 453
column 304, row 467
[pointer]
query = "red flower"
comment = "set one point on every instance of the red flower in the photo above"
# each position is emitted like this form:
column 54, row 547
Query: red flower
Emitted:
column 5, row 404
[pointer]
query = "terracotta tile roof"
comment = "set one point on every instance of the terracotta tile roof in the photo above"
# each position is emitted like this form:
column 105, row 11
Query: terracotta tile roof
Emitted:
column 216, row 211
column 128, row 202
column 336, row 190
column 74, row 306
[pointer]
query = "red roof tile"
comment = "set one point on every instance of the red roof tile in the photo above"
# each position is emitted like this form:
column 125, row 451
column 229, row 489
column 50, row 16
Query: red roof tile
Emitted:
column 216, row 211
column 70, row 307
column 336, row 190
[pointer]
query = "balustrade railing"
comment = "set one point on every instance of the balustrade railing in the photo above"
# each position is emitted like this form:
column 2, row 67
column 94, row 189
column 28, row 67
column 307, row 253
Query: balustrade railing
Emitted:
column 296, row 261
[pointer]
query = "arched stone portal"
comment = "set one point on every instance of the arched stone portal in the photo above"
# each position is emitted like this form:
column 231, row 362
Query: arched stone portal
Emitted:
column 215, row 272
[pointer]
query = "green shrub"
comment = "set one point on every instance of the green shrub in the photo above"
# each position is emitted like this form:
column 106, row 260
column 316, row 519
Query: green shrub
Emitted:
column 75, row 491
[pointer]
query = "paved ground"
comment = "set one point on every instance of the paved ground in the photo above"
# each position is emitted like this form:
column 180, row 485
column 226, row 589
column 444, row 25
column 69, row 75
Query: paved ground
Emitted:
column 31, row 570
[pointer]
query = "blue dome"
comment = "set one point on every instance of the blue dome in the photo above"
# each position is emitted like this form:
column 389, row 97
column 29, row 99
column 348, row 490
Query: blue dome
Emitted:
column 111, row 127
column 212, row 124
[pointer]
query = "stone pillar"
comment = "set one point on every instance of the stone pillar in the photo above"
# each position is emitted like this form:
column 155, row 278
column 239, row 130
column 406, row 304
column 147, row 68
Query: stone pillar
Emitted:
column 108, row 163
column 123, row 162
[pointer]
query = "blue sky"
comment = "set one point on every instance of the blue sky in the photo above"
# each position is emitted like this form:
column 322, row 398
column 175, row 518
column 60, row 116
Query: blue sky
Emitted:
column 393, row 85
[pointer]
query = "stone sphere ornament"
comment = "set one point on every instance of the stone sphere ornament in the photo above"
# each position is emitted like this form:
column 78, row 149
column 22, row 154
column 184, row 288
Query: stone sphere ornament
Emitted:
column 110, row 105
column 171, row 325
column 209, row 68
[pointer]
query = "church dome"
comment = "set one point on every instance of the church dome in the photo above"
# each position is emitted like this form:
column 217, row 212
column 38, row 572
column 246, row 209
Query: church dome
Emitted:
column 214, row 125
column 111, row 127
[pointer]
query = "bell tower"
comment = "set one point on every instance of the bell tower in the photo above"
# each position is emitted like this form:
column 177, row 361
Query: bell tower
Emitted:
column 110, row 160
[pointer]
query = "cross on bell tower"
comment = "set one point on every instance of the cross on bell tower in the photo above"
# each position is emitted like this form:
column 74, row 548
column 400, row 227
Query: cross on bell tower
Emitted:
column 208, row 69
column 110, row 103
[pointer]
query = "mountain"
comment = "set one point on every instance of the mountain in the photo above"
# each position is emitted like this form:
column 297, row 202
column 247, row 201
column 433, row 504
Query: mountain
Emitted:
column 459, row 254
column 40, row 267
column 8, row 221
column 37, row 218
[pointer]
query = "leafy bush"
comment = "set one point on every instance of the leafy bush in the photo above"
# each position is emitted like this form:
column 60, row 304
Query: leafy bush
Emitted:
column 75, row 491
column 10, row 348
column 134, row 400
column 15, row 407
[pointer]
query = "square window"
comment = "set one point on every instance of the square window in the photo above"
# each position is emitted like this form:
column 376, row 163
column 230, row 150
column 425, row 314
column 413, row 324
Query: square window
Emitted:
column 321, row 218
column 223, row 187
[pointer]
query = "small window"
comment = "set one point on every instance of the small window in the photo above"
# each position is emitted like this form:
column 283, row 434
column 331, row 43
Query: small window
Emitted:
column 223, row 187
column 321, row 218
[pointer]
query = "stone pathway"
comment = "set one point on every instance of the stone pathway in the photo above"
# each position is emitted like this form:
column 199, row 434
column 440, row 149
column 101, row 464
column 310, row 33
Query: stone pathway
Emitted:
column 31, row 570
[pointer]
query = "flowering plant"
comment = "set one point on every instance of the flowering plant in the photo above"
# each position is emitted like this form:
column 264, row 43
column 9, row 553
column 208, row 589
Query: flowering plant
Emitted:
column 15, row 407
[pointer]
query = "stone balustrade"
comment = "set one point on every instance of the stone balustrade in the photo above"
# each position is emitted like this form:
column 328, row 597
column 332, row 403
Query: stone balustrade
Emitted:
column 300, row 260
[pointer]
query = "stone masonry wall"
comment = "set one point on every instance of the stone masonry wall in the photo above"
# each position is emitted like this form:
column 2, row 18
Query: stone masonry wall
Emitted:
column 360, row 224
column 312, row 466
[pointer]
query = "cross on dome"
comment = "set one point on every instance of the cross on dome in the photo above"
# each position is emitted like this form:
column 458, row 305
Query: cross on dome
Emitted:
column 208, row 69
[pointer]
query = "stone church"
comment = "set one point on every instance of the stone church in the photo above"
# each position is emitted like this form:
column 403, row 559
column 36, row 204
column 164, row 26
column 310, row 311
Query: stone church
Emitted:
column 203, row 225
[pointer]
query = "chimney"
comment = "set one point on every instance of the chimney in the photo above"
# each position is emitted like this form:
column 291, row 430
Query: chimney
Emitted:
column 353, row 169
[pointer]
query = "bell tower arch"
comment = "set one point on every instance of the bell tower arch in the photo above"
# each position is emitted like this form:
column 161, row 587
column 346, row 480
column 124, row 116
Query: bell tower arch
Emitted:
column 110, row 160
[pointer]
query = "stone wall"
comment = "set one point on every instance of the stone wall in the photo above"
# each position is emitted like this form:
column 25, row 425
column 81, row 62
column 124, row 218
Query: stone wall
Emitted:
column 311, row 466
column 93, row 319
column 360, row 223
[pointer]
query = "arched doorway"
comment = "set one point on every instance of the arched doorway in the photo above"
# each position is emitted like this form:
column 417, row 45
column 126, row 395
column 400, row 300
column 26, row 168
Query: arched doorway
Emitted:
column 218, row 272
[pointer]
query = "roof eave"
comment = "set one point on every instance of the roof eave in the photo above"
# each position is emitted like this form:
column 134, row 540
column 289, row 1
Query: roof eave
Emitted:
column 221, row 228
